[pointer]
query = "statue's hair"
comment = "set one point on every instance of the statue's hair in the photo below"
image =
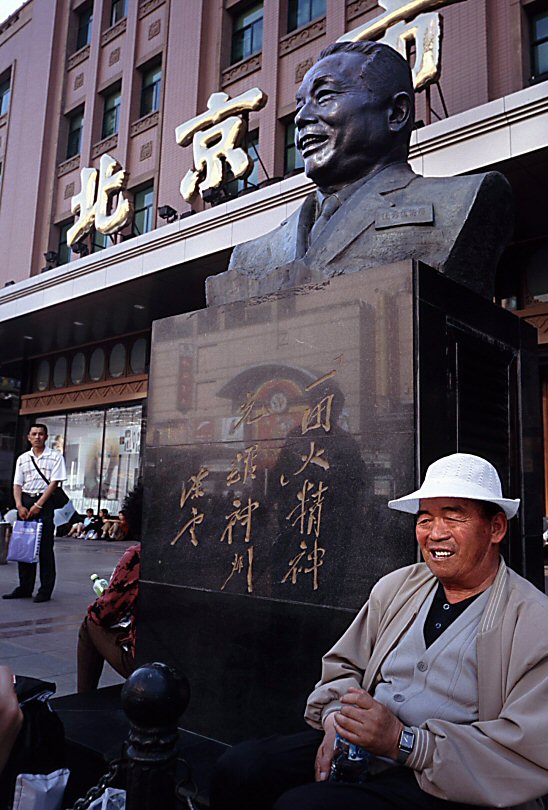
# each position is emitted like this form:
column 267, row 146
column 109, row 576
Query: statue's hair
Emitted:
column 385, row 72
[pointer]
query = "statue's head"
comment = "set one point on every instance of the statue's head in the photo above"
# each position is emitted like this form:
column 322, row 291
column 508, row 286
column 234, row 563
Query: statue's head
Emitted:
column 355, row 113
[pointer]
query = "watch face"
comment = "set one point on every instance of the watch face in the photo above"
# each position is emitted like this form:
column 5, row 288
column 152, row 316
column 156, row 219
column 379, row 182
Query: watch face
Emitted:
column 407, row 740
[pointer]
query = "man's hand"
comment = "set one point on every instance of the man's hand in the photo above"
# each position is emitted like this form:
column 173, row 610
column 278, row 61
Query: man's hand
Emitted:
column 34, row 511
column 11, row 716
column 23, row 512
column 326, row 750
column 366, row 722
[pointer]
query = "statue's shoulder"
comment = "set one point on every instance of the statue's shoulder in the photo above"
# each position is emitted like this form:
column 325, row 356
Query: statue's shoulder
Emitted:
column 273, row 249
column 481, row 186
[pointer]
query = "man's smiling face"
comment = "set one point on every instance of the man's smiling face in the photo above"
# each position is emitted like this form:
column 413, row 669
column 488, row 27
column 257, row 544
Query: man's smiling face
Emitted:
column 341, row 124
column 458, row 542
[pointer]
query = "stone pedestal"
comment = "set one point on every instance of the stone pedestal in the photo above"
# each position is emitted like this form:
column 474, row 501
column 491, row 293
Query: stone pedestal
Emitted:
column 278, row 428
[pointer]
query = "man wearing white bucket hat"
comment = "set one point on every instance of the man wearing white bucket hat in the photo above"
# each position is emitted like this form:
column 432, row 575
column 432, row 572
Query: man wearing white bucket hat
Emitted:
column 442, row 676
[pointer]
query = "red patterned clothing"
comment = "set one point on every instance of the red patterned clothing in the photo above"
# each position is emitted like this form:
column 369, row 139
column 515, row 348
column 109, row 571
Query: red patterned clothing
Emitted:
column 117, row 602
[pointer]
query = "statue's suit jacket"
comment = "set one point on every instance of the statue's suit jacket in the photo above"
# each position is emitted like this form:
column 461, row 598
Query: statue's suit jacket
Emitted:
column 457, row 225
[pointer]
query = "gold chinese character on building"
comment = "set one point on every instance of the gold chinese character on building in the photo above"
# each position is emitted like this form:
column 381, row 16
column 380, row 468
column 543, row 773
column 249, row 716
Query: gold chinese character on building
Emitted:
column 93, row 203
column 217, row 136
column 404, row 24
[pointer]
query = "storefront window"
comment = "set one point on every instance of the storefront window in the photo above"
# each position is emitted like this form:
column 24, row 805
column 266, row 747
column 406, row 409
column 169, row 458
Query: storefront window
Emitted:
column 102, row 452
column 121, row 455
column 56, row 426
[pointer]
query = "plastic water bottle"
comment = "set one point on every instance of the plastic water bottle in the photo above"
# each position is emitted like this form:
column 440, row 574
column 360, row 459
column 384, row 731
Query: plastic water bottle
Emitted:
column 98, row 585
column 350, row 762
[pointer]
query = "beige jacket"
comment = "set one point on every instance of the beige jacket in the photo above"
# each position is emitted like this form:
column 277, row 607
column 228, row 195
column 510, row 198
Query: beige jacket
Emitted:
column 502, row 759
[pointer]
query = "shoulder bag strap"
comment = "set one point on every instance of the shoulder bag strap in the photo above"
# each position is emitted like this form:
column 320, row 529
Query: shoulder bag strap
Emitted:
column 39, row 471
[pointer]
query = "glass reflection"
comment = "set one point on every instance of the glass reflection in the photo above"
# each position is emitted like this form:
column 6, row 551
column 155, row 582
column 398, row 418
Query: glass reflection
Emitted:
column 102, row 454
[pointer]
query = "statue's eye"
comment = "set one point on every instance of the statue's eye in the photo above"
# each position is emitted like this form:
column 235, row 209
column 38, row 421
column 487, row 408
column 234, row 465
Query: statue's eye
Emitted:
column 324, row 95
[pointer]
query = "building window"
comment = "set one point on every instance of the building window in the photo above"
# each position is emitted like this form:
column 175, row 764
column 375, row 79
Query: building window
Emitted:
column 143, row 216
column 60, row 372
column 539, row 46
column 138, row 356
column 85, row 20
column 118, row 11
column 301, row 12
column 150, row 91
column 5, row 93
column 78, row 368
column 117, row 360
column 247, row 33
column 100, row 241
column 63, row 250
column 74, row 142
column 111, row 113
column 97, row 365
column 234, row 187
column 41, row 378
column 292, row 157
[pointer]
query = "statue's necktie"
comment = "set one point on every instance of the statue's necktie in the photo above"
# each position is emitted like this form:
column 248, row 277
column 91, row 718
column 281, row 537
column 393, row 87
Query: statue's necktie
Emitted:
column 329, row 206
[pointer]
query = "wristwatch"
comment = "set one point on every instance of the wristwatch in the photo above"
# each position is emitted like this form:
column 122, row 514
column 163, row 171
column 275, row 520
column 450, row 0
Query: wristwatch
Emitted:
column 405, row 744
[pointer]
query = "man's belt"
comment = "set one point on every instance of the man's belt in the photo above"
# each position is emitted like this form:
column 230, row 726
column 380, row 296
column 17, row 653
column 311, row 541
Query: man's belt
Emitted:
column 34, row 494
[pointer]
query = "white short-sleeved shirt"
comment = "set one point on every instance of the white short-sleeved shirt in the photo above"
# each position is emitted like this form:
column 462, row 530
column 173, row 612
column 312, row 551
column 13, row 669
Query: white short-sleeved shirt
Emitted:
column 51, row 463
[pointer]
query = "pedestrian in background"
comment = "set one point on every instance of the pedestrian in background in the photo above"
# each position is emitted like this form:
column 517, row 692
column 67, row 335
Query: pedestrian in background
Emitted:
column 32, row 494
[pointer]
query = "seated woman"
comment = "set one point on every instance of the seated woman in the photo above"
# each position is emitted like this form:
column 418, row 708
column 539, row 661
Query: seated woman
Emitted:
column 108, row 631
column 79, row 529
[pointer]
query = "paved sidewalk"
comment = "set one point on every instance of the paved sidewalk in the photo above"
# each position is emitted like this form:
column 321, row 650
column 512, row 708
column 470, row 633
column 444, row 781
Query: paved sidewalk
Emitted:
column 40, row 639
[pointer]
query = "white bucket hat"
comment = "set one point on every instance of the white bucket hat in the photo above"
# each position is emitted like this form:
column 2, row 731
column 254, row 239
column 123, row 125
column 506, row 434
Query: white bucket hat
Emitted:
column 460, row 475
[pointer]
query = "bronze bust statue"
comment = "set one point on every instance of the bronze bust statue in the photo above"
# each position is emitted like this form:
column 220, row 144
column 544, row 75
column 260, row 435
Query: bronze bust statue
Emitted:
column 355, row 115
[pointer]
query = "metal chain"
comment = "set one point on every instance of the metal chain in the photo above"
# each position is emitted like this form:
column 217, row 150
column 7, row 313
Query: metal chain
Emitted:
column 97, row 790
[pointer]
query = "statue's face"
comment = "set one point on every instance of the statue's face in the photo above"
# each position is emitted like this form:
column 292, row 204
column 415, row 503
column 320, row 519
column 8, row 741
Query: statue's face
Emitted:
column 341, row 124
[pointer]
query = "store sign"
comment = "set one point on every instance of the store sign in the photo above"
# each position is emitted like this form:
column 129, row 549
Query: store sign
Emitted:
column 406, row 23
column 93, row 203
column 217, row 136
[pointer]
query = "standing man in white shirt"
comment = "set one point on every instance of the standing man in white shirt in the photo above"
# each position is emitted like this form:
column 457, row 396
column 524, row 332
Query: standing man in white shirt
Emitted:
column 32, row 494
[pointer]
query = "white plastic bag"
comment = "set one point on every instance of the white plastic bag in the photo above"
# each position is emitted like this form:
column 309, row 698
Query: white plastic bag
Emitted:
column 40, row 791
column 112, row 799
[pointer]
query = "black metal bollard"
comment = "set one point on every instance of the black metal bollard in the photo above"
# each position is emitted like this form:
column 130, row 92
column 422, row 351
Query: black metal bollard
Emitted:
column 153, row 699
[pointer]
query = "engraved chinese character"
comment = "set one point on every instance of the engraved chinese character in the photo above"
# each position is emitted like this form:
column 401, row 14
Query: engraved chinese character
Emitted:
column 195, row 489
column 190, row 526
column 238, row 567
column 248, row 416
column 243, row 466
column 314, row 456
column 93, row 202
column 241, row 515
column 216, row 137
column 318, row 416
column 298, row 566
column 308, row 513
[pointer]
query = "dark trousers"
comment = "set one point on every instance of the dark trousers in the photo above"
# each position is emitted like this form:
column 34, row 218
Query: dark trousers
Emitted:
column 96, row 645
column 27, row 571
column 278, row 772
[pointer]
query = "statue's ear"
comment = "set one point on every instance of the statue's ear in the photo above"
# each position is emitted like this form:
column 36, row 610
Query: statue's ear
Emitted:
column 399, row 112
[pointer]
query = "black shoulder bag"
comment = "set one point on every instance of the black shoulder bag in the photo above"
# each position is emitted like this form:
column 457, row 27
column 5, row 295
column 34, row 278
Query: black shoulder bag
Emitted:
column 58, row 497
column 40, row 746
